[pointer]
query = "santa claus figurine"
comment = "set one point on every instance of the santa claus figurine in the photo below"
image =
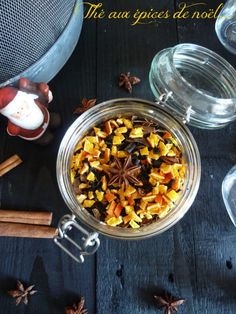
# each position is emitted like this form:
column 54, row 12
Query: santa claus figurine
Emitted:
column 26, row 109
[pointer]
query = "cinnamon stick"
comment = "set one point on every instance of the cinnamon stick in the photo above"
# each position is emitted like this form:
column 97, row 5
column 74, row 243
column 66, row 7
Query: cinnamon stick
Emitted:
column 26, row 217
column 9, row 229
column 9, row 164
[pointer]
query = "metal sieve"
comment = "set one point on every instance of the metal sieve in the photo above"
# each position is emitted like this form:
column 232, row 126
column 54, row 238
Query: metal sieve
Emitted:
column 28, row 31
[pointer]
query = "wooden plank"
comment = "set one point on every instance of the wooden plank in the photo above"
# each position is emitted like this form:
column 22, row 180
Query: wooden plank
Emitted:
column 126, row 48
column 58, row 279
column 213, row 233
column 129, row 273
column 192, row 260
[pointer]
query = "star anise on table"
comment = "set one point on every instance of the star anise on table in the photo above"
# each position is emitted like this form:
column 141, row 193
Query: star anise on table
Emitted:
column 169, row 303
column 128, row 81
column 86, row 104
column 124, row 172
column 21, row 293
column 76, row 308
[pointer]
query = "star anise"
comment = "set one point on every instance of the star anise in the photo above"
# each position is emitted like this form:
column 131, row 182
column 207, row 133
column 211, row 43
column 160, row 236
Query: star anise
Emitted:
column 124, row 172
column 128, row 81
column 21, row 294
column 86, row 104
column 169, row 303
column 76, row 308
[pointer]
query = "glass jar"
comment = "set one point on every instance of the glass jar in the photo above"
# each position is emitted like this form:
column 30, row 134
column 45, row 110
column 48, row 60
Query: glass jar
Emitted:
column 192, row 84
column 229, row 193
column 225, row 26
column 128, row 107
column 201, row 85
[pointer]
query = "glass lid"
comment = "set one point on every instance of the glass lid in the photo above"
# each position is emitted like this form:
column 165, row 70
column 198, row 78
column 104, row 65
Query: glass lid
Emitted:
column 229, row 193
column 199, row 84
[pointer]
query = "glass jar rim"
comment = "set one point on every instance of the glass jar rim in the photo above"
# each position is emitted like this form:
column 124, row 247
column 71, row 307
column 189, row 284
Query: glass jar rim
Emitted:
column 213, row 54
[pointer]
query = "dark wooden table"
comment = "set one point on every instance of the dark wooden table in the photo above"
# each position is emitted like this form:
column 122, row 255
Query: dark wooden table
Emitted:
column 196, row 259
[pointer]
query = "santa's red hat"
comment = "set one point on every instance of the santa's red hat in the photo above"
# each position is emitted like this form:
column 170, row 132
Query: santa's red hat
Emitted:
column 7, row 94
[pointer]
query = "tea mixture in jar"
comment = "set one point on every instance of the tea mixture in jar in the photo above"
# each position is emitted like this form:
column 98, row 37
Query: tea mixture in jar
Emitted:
column 128, row 171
